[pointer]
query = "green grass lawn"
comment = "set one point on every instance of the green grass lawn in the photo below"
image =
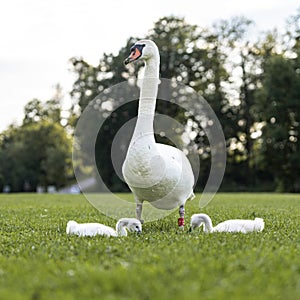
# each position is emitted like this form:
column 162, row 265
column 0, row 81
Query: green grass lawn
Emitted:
column 39, row 261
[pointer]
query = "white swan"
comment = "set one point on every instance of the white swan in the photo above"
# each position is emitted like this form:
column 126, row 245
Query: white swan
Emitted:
column 237, row 225
column 157, row 173
column 92, row 229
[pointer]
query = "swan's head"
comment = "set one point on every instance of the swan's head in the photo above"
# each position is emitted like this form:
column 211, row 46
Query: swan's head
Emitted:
column 142, row 50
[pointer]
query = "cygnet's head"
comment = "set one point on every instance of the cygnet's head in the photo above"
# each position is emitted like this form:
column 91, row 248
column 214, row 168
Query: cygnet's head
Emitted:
column 142, row 50
column 132, row 224
column 197, row 220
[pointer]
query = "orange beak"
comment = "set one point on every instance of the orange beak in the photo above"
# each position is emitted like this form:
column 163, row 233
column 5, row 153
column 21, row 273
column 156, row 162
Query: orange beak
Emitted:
column 134, row 55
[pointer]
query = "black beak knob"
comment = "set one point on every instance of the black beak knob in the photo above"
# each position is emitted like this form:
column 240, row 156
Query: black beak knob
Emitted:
column 127, row 61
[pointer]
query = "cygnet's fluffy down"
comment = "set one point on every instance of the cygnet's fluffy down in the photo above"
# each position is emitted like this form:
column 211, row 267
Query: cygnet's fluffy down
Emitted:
column 237, row 225
column 93, row 229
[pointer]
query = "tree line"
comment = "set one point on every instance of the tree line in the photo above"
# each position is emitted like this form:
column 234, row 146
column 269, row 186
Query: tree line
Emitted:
column 252, row 84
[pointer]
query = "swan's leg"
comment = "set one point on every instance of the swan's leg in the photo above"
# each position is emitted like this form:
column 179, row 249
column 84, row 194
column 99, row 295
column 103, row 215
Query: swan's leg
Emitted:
column 138, row 210
column 181, row 219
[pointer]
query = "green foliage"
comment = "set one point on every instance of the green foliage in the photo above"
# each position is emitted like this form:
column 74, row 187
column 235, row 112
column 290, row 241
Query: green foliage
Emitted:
column 35, row 110
column 277, row 107
column 35, row 154
column 280, row 107
column 252, row 86
column 39, row 261
column 192, row 56
column 93, row 80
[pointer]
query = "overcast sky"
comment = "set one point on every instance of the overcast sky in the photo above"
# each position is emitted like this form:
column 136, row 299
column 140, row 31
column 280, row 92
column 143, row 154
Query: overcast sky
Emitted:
column 38, row 37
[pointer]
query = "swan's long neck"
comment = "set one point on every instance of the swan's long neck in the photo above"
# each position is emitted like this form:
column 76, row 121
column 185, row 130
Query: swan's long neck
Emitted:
column 208, row 227
column 147, row 101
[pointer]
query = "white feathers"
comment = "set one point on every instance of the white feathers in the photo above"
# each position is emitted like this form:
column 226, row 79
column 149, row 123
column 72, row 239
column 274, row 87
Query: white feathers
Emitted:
column 132, row 224
column 157, row 173
column 237, row 225
column 93, row 229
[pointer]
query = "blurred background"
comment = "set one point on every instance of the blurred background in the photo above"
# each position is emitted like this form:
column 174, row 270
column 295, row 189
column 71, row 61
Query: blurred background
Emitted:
column 243, row 58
